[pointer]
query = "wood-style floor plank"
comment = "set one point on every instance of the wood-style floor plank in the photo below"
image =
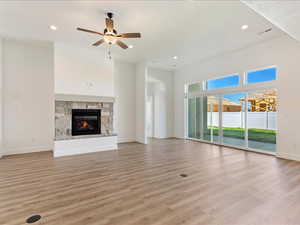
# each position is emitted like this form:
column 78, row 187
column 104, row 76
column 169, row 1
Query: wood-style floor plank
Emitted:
column 141, row 185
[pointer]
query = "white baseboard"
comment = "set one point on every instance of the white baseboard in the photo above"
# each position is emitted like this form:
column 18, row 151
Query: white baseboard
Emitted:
column 141, row 140
column 179, row 137
column 85, row 145
column 166, row 137
column 288, row 156
column 24, row 150
column 126, row 140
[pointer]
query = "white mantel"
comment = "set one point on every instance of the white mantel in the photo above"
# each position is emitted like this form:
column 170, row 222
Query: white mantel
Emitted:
column 83, row 98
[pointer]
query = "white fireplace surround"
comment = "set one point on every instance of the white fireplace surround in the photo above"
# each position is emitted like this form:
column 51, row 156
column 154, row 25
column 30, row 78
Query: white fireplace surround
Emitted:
column 87, row 143
column 84, row 145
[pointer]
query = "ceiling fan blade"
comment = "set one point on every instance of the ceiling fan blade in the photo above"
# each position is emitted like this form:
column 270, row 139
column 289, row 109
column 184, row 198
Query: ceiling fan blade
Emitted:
column 109, row 24
column 98, row 42
column 121, row 44
column 130, row 35
column 89, row 31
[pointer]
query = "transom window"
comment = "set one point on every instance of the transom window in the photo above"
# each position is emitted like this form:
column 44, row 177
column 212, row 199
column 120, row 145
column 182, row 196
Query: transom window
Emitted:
column 224, row 82
column 263, row 75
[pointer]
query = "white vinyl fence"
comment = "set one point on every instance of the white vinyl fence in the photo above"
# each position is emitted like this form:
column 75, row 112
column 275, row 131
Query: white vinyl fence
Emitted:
column 260, row 120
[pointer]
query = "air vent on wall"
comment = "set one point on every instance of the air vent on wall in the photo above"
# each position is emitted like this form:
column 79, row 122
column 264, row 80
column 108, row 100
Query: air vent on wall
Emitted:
column 265, row 31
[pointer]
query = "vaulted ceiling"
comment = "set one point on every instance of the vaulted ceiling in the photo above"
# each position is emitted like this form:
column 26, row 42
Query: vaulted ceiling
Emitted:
column 191, row 30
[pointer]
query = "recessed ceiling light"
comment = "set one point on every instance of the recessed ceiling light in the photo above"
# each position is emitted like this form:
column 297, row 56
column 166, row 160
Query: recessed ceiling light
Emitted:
column 244, row 27
column 175, row 57
column 130, row 46
column 52, row 27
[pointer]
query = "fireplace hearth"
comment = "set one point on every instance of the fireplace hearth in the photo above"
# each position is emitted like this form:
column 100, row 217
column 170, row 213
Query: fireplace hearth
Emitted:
column 86, row 121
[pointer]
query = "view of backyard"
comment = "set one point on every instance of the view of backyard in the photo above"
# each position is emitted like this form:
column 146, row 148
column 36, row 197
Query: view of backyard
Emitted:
column 262, row 135
column 260, row 119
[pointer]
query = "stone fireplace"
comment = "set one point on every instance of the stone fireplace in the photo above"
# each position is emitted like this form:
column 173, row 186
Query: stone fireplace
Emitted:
column 85, row 120
column 64, row 118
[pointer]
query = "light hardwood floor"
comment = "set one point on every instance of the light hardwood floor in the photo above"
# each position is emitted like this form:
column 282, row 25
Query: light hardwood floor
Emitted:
column 141, row 185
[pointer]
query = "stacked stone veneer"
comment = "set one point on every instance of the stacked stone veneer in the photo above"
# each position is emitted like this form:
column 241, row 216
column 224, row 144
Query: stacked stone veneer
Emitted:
column 63, row 118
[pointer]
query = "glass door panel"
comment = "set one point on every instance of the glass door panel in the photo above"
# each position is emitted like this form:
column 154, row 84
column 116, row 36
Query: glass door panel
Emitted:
column 198, row 117
column 192, row 117
column 262, row 120
column 195, row 117
column 233, row 119
column 215, row 126
column 211, row 122
column 206, row 119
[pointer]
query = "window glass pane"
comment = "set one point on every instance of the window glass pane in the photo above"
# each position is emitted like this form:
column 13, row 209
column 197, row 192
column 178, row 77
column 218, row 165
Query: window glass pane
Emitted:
column 211, row 122
column 206, row 127
column 194, row 87
column 198, row 117
column 192, row 117
column 230, row 81
column 262, row 120
column 261, row 75
column 233, row 119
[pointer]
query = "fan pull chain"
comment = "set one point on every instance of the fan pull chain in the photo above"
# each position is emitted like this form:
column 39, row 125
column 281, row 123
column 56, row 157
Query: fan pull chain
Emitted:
column 109, row 52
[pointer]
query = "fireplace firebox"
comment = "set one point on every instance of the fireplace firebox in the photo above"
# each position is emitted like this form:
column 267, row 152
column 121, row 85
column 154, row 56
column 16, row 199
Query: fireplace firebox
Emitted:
column 86, row 121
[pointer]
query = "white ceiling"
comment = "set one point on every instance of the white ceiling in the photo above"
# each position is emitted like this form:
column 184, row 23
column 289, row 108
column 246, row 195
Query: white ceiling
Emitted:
column 192, row 30
column 284, row 14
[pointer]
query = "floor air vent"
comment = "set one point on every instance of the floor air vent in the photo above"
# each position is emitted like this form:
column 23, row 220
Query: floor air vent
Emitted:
column 33, row 219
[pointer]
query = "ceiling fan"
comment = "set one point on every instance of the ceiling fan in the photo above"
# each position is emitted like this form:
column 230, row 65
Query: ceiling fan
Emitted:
column 110, row 35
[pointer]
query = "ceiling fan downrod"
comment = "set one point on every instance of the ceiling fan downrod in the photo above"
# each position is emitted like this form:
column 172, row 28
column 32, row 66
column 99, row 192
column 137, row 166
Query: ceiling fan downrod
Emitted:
column 110, row 15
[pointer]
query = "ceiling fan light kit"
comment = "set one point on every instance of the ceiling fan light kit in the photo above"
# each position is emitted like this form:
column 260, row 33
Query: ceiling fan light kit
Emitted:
column 110, row 35
column 110, row 39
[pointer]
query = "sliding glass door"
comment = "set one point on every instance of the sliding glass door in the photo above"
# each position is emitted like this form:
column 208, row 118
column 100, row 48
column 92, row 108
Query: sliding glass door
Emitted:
column 246, row 120
column 203, row 118
column 233, row 119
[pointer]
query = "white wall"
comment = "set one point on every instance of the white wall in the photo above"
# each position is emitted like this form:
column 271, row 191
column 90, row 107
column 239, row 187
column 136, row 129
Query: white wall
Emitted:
column 162, row 93
column 150, row 109
column 1, row 103
column 28, row 91
column 141, row 95
column 125, row 108
column 283, row 52
column 82, row 70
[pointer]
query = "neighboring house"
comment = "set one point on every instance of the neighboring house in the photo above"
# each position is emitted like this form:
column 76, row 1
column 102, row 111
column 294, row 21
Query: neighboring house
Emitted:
column 228, row 106
column 263, row 102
